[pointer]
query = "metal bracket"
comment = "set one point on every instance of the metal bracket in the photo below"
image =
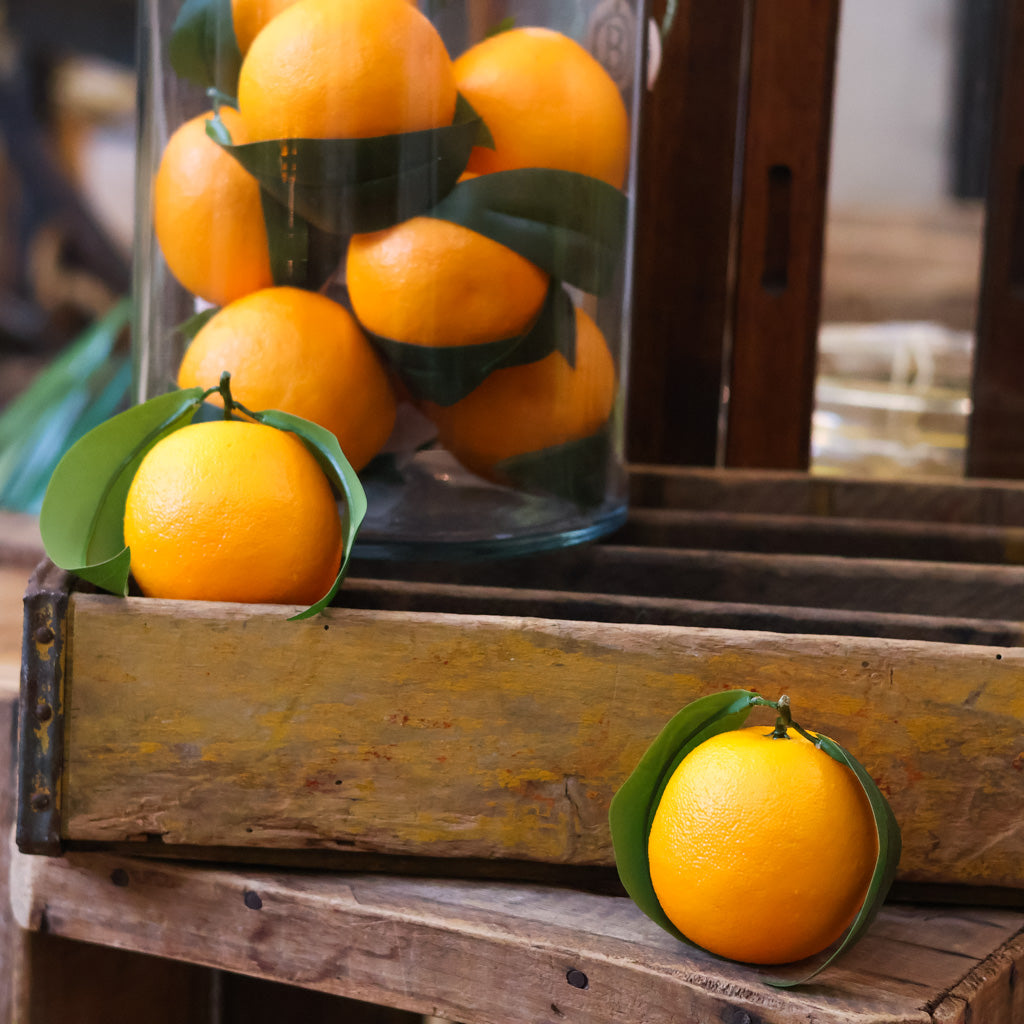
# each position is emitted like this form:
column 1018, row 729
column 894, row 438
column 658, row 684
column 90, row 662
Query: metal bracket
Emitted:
column 41, row 711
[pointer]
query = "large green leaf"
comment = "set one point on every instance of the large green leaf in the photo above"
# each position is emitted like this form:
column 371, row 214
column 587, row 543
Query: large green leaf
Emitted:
column 571, row 225
column 633, row 807
column 301, row 254
column 344, row 479
column 82, row 517
column 346, row 186
column 445, row 374
column 203, row 48
column 576, row 470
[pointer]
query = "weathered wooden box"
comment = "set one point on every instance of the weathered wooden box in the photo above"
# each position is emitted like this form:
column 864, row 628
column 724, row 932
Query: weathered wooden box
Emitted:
column 488, row 712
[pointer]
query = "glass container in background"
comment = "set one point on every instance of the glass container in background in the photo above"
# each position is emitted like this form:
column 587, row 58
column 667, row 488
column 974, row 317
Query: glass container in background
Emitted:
column 414, row 226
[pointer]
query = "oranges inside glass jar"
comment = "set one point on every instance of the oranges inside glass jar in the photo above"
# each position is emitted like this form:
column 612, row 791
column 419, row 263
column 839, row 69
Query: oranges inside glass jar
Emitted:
column 411, row 223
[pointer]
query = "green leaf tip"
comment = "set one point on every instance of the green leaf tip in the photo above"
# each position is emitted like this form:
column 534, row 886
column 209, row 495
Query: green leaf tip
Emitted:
column 344, row 479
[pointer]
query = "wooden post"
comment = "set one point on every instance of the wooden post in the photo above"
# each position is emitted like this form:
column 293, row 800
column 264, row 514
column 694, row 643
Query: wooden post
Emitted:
column 684, row 224
column 783, row 207
column 996, row 433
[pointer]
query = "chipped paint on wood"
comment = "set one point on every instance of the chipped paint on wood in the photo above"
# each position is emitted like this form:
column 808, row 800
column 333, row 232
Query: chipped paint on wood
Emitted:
column 494, row 737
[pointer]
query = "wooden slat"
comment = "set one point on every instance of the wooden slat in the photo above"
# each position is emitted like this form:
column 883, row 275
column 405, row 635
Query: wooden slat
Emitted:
column 978, row 502
column 499, row 953
column 683, row 237
column 823, row 535
column 466, row 736
column 813, row 581
column 996, row 430
column 404, row 595
column 782, row 219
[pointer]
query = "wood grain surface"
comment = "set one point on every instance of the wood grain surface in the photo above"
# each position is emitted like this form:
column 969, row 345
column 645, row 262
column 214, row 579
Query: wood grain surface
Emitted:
column 786, row 144
column 487, row 737
column 506, row 953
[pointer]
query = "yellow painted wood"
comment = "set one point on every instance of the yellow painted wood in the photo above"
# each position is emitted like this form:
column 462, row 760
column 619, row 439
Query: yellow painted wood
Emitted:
column 455, row 736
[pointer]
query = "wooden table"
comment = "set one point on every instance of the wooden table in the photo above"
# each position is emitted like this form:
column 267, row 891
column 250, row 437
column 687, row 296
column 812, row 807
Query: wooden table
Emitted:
column 100, row 938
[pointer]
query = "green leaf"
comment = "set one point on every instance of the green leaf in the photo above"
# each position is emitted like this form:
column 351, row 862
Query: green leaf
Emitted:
column 445, row 374
column 505, row 25
column 301, row 255
column 203, row 48
column 633, row 807
column 576, row 470
column 189, row 328
column 571, row 225
column 98, row 397
column 324, row 446
column 344, row 186
column 85, row 382
column 890, row 845
column 82, row 516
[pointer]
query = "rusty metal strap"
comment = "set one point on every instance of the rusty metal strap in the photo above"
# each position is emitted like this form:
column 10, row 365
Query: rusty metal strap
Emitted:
column 41, row 712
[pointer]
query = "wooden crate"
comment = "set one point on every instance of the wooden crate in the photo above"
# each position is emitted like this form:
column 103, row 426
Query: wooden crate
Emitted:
column 488, row 712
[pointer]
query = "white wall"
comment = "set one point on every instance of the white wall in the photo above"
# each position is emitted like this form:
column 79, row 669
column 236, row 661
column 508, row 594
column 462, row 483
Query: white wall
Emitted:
column 894, row 90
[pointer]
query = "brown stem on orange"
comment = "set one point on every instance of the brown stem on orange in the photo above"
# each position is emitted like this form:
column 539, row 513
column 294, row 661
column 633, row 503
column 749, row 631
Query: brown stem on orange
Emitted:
column 225, row 393
column 784, row 721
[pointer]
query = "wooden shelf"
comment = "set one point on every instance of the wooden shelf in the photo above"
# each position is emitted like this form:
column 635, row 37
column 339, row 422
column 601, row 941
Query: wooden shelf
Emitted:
column 505, row 953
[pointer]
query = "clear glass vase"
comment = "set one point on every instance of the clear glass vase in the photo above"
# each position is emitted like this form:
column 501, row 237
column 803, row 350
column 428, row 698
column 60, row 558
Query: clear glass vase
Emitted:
column 413, row 225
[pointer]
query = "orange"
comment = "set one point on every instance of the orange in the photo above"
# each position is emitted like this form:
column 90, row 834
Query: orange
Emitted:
column 232, row 511
column 547, row 103
column 304, row 354
column 249, row 16
column 762, row 849
column 208, row 216
column 527, row 408
column 346, row 69
column 431, row 282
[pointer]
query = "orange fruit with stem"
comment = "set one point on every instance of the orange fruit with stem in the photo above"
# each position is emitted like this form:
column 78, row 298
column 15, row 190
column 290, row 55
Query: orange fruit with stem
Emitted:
column 431, row 282
column 763, row 846
column 304, row 354
column 208, row 216
column 230, row 510
column 346, row 69
column 547, row 103
column 527, row 408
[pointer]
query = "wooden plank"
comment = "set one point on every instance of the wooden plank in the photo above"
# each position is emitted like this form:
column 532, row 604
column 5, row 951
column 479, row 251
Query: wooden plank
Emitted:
column 977, row 502
column 248, row 1000
column 10, row 935
column 995, row 443
column 822, row 535
column 782, row 222
column 60, row 981
column 813, row 581
column 493, row 953
column 685, row 212
column 453, row 598
column 220, row 725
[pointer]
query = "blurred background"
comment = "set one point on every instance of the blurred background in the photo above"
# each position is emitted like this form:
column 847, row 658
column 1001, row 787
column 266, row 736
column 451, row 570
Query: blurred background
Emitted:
column 911, row 125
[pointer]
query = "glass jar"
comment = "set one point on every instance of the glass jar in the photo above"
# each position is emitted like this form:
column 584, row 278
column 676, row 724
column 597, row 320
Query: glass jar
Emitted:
column 446, row 186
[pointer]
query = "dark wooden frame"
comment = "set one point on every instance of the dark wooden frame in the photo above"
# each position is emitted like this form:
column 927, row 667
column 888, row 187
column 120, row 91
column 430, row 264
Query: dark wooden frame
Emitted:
column 996, row 438
column 731, row 213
